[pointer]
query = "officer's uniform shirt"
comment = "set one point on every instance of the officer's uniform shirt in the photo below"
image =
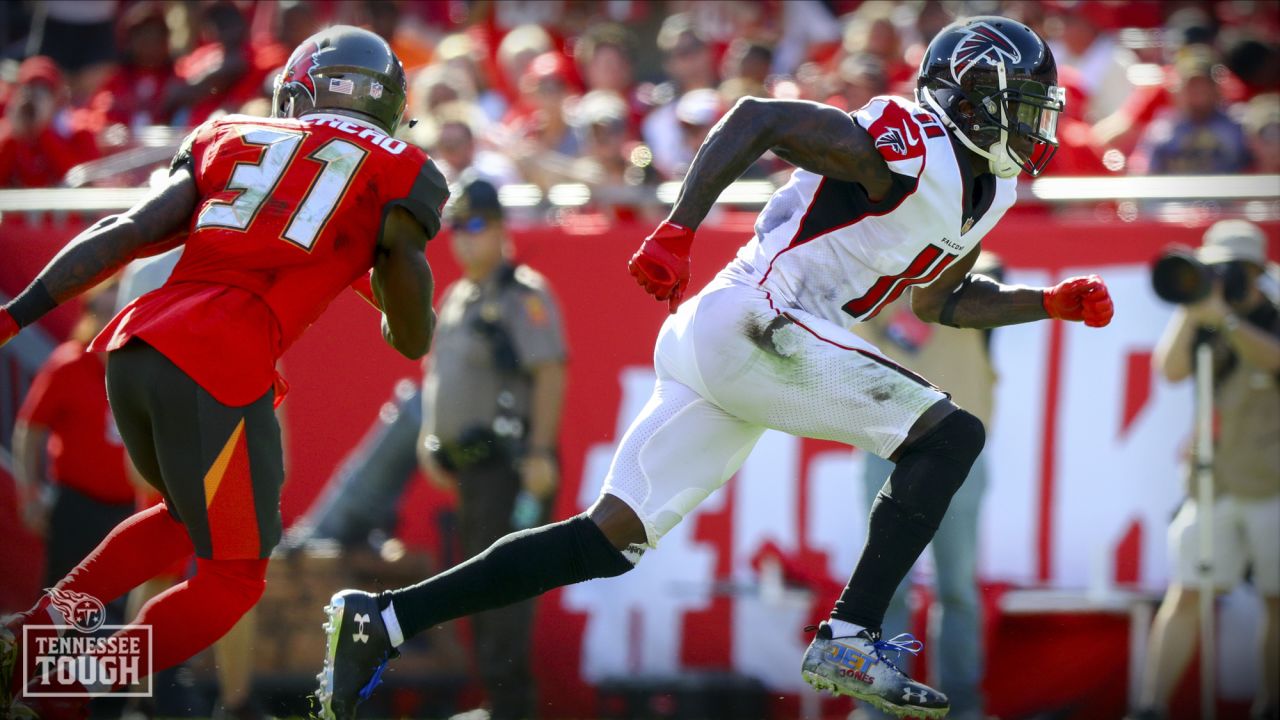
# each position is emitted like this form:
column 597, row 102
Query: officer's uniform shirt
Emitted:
column 467, row 385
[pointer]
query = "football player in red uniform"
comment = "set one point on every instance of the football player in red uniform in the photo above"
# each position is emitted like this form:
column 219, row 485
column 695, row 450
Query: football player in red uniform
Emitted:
column 278, row 215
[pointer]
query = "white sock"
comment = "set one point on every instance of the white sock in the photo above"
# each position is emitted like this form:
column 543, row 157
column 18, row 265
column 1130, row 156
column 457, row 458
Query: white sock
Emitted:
column 392, row 623
column 841, row 628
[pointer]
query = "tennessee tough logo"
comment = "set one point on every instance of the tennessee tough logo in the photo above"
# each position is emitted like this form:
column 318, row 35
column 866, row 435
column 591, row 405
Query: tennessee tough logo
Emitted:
column 981, row 41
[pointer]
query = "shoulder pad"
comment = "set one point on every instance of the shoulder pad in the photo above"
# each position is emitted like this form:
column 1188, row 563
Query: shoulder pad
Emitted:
column 426, row 197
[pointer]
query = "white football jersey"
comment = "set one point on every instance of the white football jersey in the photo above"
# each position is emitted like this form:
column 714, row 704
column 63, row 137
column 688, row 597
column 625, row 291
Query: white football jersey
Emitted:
column 820, row 245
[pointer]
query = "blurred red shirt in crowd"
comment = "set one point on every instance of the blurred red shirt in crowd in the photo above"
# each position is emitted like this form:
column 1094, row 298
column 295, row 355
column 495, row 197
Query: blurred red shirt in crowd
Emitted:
column 40, row 137
column 132, row 94
column 68, row 397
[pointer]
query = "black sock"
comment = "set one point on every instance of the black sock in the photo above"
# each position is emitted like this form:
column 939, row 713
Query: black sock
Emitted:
column 904, row 519
column 517, row 567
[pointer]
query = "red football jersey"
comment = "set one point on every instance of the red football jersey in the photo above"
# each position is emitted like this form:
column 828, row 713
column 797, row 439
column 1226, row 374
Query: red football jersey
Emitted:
column 289, row 215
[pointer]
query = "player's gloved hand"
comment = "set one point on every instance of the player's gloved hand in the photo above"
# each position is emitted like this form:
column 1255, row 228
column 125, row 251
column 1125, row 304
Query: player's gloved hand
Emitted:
column 8, row 327
column 1080, row 299
column 661, row 265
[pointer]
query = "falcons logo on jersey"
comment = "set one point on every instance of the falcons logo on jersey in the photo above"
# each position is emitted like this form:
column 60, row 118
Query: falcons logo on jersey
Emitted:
column 981, row 41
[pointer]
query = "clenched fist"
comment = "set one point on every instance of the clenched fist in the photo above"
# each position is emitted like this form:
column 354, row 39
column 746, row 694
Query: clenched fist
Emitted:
column 661, row 265
column 1080, row 299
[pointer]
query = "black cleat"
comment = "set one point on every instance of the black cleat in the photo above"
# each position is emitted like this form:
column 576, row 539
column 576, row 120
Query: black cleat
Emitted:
column 357, row 651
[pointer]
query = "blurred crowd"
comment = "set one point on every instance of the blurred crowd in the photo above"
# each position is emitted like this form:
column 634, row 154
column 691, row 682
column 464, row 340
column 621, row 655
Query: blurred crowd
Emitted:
column 619, row 95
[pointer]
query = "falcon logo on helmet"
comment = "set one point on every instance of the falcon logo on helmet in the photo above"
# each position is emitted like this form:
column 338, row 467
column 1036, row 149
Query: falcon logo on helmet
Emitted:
column 981, row 41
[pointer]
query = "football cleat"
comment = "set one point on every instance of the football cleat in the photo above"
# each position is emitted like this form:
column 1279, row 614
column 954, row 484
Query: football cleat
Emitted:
column 357, row 650
column 859, row 667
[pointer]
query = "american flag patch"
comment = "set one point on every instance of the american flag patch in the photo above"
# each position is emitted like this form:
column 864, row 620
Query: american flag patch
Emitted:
column 375, row 89
column 346, row 86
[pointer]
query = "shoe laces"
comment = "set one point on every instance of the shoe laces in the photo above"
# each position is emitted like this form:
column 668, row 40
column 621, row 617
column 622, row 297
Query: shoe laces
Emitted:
column 898, row 644
column 376, row 680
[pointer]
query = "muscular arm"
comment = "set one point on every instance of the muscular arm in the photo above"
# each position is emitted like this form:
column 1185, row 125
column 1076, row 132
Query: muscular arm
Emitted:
column 976, row 301
column 109, row 244
column 403, row 285
column 818, row 138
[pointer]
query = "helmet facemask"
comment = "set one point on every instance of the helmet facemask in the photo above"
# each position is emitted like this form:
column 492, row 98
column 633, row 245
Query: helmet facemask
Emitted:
column 1024, row 109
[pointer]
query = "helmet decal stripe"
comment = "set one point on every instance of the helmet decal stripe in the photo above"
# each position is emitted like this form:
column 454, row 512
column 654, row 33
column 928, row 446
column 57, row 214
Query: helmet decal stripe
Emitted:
column 981, row 41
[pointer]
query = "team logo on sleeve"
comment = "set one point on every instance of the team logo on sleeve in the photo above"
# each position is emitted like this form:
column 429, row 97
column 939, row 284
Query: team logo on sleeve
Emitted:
column 981, row 41
column 897, row 135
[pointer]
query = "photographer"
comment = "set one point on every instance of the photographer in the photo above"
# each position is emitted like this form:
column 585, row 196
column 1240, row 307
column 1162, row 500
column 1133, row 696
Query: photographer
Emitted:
column 1242, row 326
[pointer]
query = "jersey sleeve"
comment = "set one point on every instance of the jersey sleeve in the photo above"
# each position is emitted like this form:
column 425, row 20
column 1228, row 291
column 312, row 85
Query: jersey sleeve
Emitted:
column 899, row 131
column 426, row 197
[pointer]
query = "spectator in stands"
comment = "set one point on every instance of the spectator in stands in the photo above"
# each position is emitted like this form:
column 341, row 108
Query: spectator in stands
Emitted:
column 689, row 66
column 293, row 22
column 871, row 30
column 450, row 136
column 544, row 143
column 516, row 51
column 387, row 19
column 460, row 54
column 221, row 74
column 1085, row 43
column 1198, row 137
column 78, row 36
column 959, row 361
column 131, row 96
column 861, row 77
column 41, row 138
column 69, row 461
column 1242, row 326
column 744, row 69
column 697, row 112
column 606, row 61
column 492, row 398
column 611, row 160
column 1262, row 131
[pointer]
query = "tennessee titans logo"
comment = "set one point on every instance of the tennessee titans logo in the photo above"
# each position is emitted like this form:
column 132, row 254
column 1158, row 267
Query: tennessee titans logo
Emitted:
column 85, row 612
column 981, row 41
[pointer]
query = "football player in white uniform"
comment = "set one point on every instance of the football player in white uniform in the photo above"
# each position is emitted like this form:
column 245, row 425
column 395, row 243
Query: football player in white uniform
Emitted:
column 894, row 197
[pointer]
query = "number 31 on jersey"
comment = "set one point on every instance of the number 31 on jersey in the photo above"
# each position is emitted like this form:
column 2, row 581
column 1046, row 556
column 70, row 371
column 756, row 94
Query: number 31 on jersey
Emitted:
column 255, row 182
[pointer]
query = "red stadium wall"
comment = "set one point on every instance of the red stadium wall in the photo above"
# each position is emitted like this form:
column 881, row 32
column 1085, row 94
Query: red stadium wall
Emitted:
column 341, row 372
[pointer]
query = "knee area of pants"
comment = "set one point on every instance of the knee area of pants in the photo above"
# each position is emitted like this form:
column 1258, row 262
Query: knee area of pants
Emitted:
column 243, row 580
column 967, row 431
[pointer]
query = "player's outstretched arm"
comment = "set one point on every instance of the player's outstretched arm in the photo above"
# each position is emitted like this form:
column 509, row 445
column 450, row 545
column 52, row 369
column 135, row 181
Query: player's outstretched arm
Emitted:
column 962, row 299
column 107, row 246
column 819, row 138
column 403, row 285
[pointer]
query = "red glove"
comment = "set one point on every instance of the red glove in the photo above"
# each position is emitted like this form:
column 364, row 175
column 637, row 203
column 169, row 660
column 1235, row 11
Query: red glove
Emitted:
column 363, row 287
column 8, row 327
column 661, row 265
column 1080, row 298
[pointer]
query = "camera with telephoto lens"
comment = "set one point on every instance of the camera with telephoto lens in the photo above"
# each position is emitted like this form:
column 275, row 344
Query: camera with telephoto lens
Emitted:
column 1179, row 277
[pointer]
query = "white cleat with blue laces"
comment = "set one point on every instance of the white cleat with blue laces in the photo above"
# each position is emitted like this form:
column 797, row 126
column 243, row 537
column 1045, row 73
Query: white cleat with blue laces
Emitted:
column 858, row 667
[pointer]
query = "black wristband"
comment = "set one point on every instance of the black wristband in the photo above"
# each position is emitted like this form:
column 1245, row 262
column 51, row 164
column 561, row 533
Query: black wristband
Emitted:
column 947, row 316
column 31, row 304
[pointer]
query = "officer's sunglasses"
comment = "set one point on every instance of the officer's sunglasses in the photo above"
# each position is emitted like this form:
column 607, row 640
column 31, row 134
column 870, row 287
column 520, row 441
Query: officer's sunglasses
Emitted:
column 472, row 224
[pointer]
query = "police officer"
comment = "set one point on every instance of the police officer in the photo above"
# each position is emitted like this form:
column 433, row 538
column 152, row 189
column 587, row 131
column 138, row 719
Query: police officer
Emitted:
column 491, row 406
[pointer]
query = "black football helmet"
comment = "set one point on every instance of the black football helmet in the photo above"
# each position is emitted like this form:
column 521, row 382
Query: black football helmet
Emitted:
column 347, row 70
column 995, row 84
